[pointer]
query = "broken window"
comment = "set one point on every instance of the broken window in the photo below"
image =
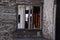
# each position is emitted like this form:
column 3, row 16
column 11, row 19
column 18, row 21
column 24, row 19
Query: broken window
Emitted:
column 28, row 17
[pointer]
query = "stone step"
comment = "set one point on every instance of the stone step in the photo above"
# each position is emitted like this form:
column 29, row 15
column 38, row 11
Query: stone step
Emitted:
column 30, row 38
column 20, row 34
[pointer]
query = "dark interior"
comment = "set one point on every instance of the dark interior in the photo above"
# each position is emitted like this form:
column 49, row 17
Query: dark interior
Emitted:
column 36, row 16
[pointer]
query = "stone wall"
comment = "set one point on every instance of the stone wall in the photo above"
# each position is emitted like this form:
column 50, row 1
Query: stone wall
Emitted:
column 8, row 17
column 7, row 20
column 6, row 35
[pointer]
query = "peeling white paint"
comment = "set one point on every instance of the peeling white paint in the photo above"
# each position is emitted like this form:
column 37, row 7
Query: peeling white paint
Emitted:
column 48, row 18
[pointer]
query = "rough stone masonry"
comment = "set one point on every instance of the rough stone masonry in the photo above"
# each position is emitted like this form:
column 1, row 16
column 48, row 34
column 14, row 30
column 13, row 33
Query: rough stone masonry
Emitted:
column 8, row 19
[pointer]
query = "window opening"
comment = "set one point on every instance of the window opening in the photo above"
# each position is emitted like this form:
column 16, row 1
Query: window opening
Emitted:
column 28, row 17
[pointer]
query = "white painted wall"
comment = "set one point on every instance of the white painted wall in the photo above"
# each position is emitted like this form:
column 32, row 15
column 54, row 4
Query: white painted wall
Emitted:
column 48, row 19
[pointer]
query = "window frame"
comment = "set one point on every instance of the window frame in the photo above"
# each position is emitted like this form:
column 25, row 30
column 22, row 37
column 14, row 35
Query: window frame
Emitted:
column 41, row 15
